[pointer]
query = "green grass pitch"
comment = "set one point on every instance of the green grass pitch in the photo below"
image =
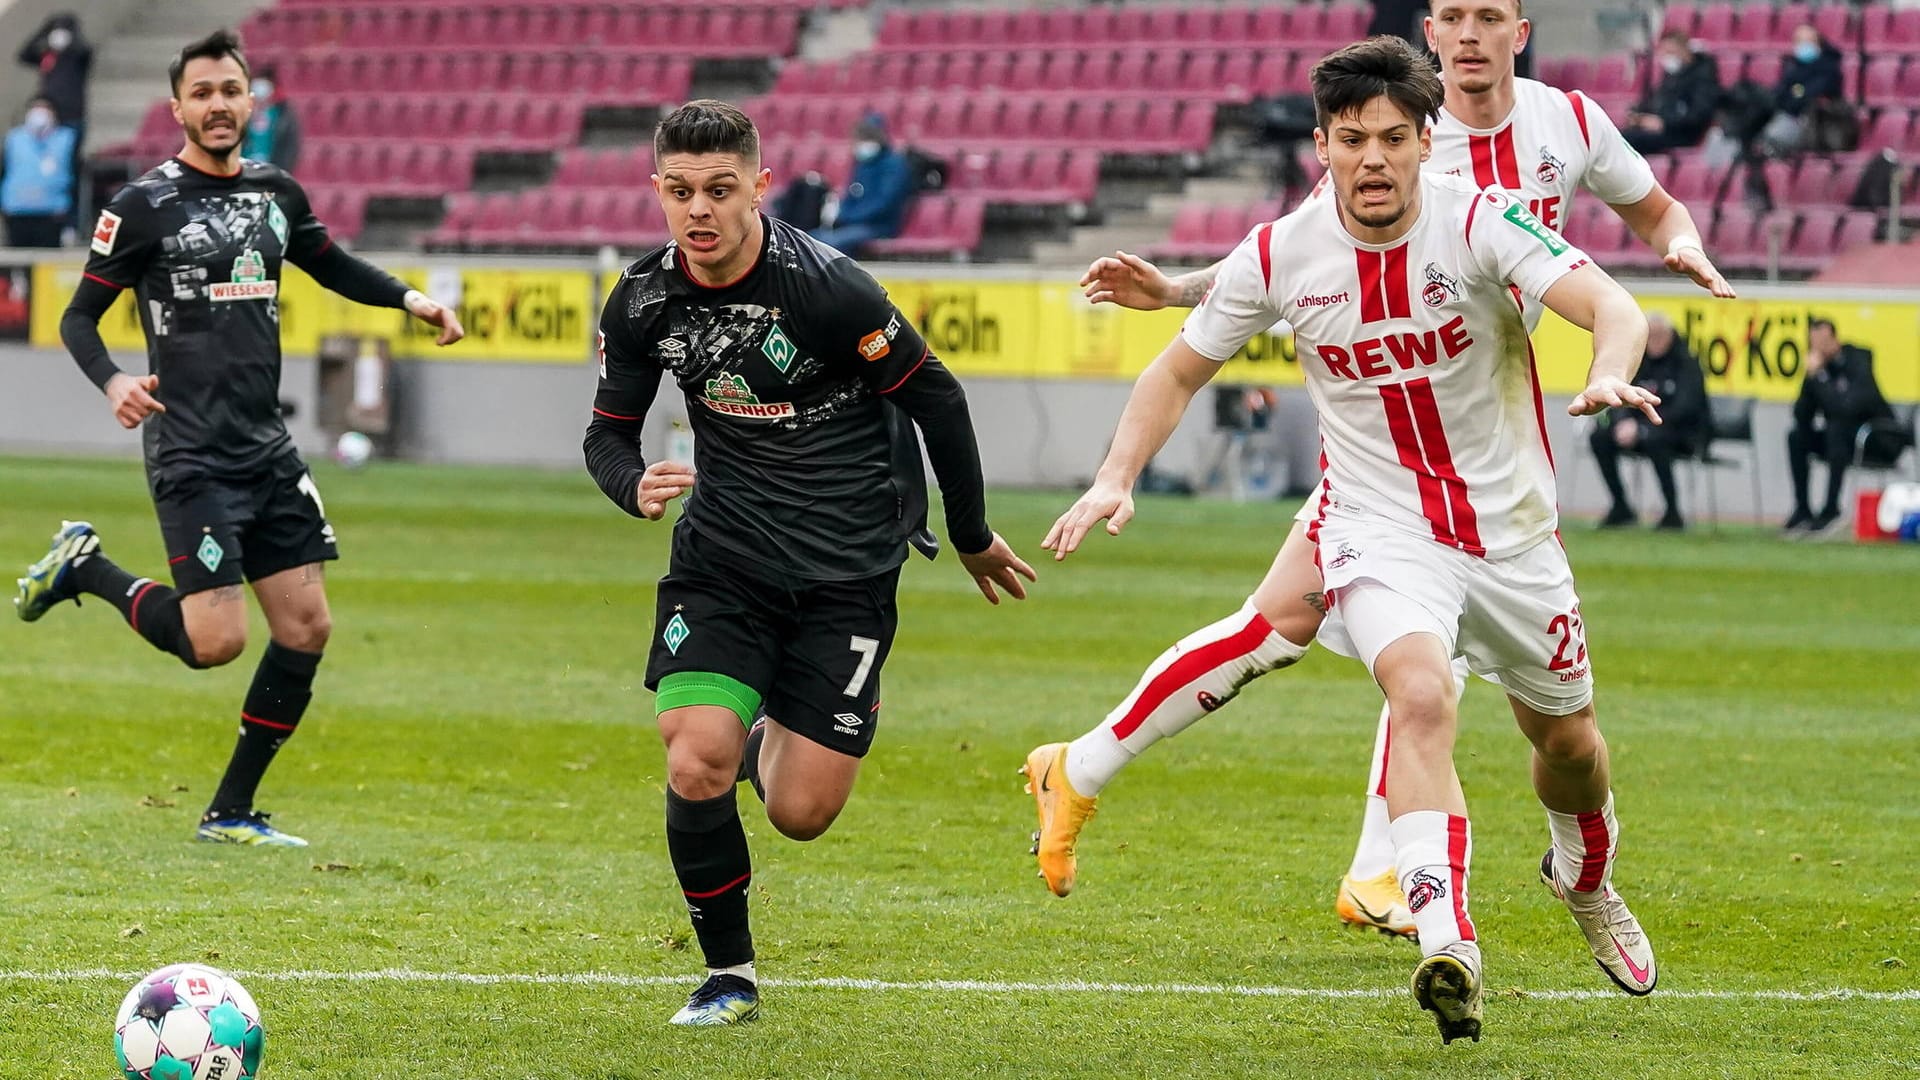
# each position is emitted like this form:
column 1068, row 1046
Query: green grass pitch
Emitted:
column 482, row 782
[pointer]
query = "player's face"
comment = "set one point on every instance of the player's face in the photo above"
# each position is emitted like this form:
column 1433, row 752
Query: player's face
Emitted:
column 1476, row 41
column 213, row 103
column 1374, row 153
column 712, row 203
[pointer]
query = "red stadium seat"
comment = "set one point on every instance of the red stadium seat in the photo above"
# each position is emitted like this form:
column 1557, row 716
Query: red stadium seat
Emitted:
column 1835, row 23
column 1681, row 17
column 1763, row 68
column 1856, row 230
column 1753, row 26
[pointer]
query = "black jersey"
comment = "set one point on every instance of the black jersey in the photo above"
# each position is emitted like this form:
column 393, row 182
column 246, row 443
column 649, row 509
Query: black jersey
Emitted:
column 202, row 254
column 784, row 372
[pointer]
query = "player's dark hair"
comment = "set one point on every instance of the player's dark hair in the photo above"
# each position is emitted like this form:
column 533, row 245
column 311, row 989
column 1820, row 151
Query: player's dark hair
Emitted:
column 1384, row 64
column 1822, row 324
column 706, row 127
column 221, row 43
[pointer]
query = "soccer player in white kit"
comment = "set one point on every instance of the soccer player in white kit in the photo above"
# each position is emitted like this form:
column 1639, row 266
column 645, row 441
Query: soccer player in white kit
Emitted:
column 1435, row 530
column 1496, row 130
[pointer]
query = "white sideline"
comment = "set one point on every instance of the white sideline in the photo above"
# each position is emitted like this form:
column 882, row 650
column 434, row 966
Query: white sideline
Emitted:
column 977, row 986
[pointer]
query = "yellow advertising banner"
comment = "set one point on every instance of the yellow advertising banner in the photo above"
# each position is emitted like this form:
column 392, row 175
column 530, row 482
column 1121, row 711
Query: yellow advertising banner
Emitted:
column 1029, row 329
column 525, row 316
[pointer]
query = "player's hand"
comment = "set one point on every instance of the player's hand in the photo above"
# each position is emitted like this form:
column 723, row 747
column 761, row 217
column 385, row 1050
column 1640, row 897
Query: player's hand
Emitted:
column 1692, row 262
column 1609, row 392
column 132, row 398
column 1102, row 502
column 998, row 565
column 434, row 313
column 663, row 480
column 1127, row 280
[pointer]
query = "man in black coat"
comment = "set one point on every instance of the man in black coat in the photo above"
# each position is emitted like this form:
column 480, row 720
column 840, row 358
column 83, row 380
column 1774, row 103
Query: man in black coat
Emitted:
column 1837, row 398
column 1670, row 371
column 1677, row 111
column 64, row 60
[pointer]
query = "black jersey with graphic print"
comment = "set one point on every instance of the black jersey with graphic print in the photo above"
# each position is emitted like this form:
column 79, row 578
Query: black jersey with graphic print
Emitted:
column 202, row 254
column 787, row 373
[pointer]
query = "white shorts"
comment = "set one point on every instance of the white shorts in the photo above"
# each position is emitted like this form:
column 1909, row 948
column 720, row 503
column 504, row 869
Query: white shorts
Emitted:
column 1516, row 620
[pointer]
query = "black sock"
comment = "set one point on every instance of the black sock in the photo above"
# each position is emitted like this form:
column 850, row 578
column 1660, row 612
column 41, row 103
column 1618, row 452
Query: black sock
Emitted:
column 750, row 757
column 152, row 609
column 708, row 846
column 282, row 686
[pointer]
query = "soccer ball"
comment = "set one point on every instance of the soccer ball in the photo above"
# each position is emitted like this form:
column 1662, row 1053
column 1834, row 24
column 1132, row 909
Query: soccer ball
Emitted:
column 353, row 450
column 189, row 1022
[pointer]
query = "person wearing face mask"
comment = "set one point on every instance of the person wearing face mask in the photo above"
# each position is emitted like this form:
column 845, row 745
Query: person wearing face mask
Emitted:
column 64, row 60
column 874, row 204
column 36, row 178
column 273, row 135
column 1809, row 79
column 1678, row 110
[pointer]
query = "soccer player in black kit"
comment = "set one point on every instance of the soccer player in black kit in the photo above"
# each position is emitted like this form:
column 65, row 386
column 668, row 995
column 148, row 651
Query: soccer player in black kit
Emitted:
column 200, row 239
column 779, row 596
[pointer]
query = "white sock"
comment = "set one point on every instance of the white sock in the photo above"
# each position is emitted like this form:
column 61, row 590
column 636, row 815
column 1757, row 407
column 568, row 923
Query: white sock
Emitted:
column 1583, row 847
column 1200, row 673
column 1373, row 855
column 1432, row 849
column 744, row 971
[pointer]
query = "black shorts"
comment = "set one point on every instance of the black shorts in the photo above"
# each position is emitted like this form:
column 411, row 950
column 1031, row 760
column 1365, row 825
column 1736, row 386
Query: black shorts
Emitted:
column 812, row 651
column 222, row 530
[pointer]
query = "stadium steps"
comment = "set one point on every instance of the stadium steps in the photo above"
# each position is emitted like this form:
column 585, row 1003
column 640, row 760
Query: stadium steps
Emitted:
column 836, row 35
column 1131, row 229
column 130, row 64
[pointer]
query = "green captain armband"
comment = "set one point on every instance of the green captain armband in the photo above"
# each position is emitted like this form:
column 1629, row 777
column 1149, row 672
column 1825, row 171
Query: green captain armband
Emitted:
column 684, row 688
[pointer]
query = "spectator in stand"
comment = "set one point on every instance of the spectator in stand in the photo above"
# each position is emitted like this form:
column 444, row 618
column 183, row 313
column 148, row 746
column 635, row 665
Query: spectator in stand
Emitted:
column 874, row 206
column 36, row 178
column 1670, row 371
column 1678, row 111
column 273, row 133
column 1838, row 398
column 1809, row 78
column 64, row 59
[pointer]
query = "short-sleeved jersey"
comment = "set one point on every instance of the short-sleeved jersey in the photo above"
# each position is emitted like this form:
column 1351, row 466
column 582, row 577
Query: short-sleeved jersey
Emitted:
column 202, row 254
column 782, row 372
column 1416, row 356
column 1551, row 145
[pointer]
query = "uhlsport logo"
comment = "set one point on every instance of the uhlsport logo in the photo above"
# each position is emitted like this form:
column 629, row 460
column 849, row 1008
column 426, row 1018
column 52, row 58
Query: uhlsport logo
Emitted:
column 729, row 394
column 1424, row 889
column 1327, row 300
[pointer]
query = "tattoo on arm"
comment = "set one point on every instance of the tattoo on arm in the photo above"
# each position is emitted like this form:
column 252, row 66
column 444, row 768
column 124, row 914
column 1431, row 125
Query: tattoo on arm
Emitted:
column 1191, row 288
column 312, row 574
column 1317, row 601
column 226, row 594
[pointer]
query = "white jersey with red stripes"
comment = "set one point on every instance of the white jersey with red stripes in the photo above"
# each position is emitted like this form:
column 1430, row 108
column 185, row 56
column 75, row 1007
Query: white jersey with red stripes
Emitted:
column 1551, row 145
column 1416, row 356
column 1554, row 143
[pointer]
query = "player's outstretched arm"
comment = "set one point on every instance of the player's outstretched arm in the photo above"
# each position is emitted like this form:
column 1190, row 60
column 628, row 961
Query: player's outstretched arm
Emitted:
column 1665, row 225
column 1132, row 282
column 1160, row 398
column 1593, row 301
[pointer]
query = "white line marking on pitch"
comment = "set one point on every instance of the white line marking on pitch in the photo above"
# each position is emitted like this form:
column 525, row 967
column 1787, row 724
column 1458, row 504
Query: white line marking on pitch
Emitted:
column 976, row 986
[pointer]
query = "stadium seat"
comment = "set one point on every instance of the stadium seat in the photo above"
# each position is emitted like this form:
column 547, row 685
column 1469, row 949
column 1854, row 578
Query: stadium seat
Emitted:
column 1681, row 17
column 1715, row 25
column 938, row 225
column 1753, row 26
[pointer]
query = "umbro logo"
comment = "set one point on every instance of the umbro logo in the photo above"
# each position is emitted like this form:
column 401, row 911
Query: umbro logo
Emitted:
column 847, row 723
